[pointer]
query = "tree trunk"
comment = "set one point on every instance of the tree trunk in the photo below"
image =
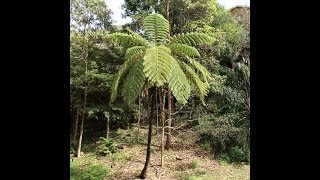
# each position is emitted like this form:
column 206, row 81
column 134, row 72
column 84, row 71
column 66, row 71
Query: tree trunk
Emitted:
column 139, row 117
column 75, row 131
column 157, row 107
column 108, row 127
column 162, row 115
column 85, row 59
column 168, row 141
column 144, row 170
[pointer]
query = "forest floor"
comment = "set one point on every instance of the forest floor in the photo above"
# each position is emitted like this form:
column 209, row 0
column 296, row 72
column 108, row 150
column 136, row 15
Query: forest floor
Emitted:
column 185, row 160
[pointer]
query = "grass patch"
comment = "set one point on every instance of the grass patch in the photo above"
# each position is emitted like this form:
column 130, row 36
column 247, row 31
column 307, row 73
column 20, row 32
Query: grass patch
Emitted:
column 120, row 156
column 88, row 172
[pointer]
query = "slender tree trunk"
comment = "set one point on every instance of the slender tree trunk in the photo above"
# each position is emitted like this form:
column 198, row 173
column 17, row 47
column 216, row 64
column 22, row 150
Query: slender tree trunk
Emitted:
column 108, row 127
column 162, row 115
column 168, row 141
column 85, row 59
column 75, row 130
column 139, row 117
column 157, row 107
column 144, row 170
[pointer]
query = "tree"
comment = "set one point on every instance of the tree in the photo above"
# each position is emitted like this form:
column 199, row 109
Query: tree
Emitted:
column 160, row 61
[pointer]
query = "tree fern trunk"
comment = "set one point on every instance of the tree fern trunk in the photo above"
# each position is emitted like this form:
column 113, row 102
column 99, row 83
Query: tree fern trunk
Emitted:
column 161, row 103
column 139, row 117
column 144, row 170
column 168, row 141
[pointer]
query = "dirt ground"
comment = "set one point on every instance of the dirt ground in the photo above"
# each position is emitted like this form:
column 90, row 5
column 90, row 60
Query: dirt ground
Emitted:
column 184, row 161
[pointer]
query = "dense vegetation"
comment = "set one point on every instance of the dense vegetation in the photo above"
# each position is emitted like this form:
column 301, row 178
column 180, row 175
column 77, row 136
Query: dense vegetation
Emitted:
column 180, row 67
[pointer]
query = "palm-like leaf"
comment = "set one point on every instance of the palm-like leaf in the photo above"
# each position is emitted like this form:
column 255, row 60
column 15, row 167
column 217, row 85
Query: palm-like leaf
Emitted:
column 122, row 71
column 134, row 82
column 157, row 65
column 124, row 39
column 205, row 73
column 183, row 50
column 156, row 28
column 178, row 83
column 201, row 89
column 192, row 39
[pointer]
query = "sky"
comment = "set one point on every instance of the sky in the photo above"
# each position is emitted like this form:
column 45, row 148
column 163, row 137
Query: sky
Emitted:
column 115, row 6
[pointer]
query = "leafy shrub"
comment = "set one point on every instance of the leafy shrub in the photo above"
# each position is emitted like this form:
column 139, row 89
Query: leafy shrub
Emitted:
column 194, row 164
column 108, row 147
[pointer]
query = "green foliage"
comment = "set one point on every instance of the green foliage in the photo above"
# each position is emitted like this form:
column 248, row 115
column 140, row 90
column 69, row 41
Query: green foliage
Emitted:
column 133, row 83
column 90, row 172
column 124, row 39
column 192, row 39
column 157, row 65
column 90, row 14
column 156, row 28
column 107, row 148
column 121, row 156
column 195, row 164
column 178, row 83
column 183, row 50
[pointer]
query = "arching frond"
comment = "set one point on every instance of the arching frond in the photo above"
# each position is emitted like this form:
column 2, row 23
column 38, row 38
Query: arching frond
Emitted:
column 156, row 28
column 183, row 50
column 135, row 52
column 157, row 64
column 123, row 70
column 205, row 73
column 134, row 82
column 124, row 39
column 178, row 83
column 201, row 89
column 192, row 39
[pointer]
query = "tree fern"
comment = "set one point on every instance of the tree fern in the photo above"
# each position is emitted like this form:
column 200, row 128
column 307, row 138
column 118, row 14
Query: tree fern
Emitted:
column 192, row 39
column 133, row 83
column 124, row 39
column 205, row 73
column 157, row 65
column 183, row 50
column 122, row 71
column 156, row 28
column 201, row 89
column 178, row 83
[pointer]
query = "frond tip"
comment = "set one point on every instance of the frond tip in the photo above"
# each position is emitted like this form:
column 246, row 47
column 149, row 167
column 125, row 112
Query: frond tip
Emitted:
column 192, row 39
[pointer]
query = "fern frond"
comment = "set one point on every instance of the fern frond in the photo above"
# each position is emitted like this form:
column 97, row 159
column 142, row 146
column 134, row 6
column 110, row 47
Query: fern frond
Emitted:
column 135, row 79
column 192, row 39
column 156, row 28
column 122, row 71
column 205, row 73
column 178, row 83
column 183, row 50
column 135, row 52
column 157, row 64
column 201, row 89
column 124, row 39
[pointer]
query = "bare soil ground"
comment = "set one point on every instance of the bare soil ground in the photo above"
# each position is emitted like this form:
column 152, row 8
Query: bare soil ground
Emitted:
column 184, row 161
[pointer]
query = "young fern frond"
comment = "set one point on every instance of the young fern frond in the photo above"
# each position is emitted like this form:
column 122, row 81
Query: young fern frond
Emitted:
column 178, row 83
column 205, row 73
column 135, row 52
column 192, row 39
column 156, row 28
column 122, row 71
column 133, row 84
column 157, row 65
column 183, row 50
column 124, row 39
column 201, row 89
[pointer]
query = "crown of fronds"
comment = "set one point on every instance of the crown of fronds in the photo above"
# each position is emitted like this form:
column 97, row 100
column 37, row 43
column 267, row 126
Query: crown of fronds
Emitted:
column 150, row 60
